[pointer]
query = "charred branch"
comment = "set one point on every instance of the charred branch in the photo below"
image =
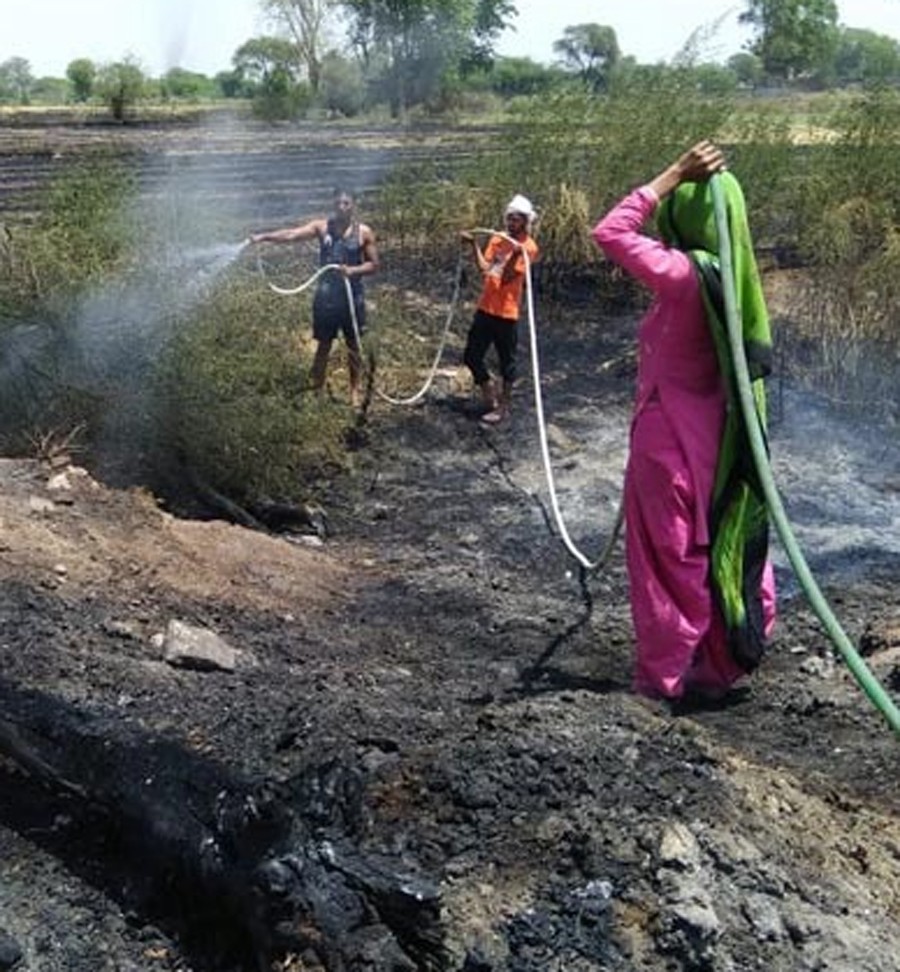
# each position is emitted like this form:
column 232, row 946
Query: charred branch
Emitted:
column 285, row 862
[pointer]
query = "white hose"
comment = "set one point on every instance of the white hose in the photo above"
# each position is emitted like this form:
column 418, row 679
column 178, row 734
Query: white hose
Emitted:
column 536, row 372
column 440, row 351
column 542, row 427
column 306, row 284
column 290, row 291
column 411, row 400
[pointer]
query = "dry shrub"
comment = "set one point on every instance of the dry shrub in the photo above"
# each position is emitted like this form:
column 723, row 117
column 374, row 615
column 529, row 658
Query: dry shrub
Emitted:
column 564, row 234
column 571, row 153
column 846, row 306
column 421, row 211
column 80, row 236
column 851, row 207
column 408, row 330
column 849, row 234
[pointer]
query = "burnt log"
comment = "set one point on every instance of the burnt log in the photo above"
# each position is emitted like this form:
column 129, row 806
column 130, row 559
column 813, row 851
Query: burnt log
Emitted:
column 282, row 517
column 282, row 867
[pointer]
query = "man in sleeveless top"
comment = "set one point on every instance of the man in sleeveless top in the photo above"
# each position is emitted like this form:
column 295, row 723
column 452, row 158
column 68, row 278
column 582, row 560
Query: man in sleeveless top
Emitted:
column 349, row 245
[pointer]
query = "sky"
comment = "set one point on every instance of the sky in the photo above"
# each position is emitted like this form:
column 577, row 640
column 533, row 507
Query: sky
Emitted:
column 202, row 35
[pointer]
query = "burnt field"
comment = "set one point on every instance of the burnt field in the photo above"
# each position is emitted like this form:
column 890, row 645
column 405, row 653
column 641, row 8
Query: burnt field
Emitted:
column 255, row 173
column 416, row 747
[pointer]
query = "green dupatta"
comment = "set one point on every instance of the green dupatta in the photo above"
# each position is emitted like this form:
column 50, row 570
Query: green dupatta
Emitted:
column 739, row 520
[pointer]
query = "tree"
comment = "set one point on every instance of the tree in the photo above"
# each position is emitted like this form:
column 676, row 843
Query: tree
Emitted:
column 269, row 67
column 120, row 85
column 82, row 73
column 49, row 91
column 794, row 37
column 343, row 90
column 15, row 80
column 305, row 21
column 590, row 49
column 710, row 79
column 262, row 60
column 511, row 76
column 231, row 84
column 747, row 68
column 179, row 83
column 492, row 17
column 413, row 45
column 864, row 56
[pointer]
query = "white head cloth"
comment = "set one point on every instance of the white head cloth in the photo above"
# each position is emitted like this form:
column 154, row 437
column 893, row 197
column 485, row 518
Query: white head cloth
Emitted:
column 520, row 204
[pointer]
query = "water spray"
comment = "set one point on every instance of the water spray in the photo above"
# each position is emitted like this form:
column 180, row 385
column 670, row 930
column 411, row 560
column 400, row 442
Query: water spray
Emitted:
column 209, row 261
column 867, row 681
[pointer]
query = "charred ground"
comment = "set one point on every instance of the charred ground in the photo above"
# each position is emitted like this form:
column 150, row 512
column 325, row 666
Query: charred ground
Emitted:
column 439, row 650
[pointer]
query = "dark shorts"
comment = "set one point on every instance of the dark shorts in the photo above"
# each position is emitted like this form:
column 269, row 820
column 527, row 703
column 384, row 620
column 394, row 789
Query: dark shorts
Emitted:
column 329, row 320
column 487, row 331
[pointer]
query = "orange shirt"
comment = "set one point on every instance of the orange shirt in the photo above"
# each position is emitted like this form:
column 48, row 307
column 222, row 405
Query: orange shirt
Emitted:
column 498, row 298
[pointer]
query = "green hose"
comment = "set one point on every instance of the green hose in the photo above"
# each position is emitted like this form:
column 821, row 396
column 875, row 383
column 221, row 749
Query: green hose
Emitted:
column 869, row 683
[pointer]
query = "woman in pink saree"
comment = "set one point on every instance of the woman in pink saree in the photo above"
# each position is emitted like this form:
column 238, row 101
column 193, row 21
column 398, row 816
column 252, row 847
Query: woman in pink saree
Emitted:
column 684, row 648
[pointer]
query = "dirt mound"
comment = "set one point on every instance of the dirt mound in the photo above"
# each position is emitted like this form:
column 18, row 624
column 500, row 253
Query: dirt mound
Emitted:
column 63, row 529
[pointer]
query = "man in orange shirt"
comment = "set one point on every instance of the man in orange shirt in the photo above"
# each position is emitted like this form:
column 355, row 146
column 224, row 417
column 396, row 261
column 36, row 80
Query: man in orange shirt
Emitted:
column 503, row 264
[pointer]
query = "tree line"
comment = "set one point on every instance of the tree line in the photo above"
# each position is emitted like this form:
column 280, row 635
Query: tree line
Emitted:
column 349, row 56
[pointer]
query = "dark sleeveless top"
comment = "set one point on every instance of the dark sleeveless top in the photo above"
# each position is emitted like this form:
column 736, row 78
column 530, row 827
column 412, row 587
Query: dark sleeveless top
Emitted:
column 331, row 291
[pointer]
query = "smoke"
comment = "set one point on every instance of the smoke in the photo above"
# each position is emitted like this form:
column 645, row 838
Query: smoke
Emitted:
column 96, row 358
column 839, row 479
column 202, row 190
column 191, row 219
column 203, row 35
column 175, row 26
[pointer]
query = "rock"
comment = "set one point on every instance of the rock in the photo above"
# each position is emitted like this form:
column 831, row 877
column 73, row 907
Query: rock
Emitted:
column 764, row 917
column 693, row 927
column 560, row 440
column 878, row 637
column 817, row 667
column 59, row 482
column 186, row 646
column 679, row 848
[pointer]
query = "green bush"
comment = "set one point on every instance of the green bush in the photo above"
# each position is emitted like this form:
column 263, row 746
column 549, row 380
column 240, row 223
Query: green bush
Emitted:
column 120, row 86
column 81, row 236
column 282, row 100
column 234, row 401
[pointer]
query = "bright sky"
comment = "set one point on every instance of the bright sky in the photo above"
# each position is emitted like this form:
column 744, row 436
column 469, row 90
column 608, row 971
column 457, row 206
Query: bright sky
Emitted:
column 202, row 35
